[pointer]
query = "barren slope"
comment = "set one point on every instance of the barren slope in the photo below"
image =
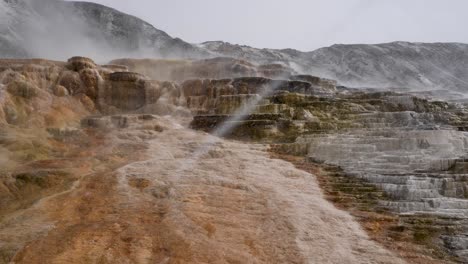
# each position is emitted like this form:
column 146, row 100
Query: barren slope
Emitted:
column 195, row 199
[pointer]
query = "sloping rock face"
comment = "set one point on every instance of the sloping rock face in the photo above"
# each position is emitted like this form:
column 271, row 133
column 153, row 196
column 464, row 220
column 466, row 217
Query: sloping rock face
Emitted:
column 48, row 141
column 54, row 115
column 42, row 102
column 417, row 158
column 422, row 66
column 34, row 114
column 191, row 198
column 145, row 188
column 413, row 149
column 437, row 67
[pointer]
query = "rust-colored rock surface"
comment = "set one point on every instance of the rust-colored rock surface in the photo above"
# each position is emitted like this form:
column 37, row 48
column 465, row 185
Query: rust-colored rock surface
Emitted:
column 189, row 198
column 99, row 164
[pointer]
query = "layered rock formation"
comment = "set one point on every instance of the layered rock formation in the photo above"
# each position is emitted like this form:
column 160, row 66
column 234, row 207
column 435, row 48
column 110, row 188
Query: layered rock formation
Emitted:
column 216, row 68
column 262, row 101
column 412, row 149
column 42, row 102
column 74, row 131
column 405, row 153
column 49, row 139
column 409, row 148
column 416, row 158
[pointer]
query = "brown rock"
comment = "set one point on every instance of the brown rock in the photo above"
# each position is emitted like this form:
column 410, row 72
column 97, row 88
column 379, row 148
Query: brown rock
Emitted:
column 90, row 79
column 87, row 102
column 10, row 113
column 22, row 89
column 71, row 81
column 60, row 91
column 80, row 63
column 128, row 91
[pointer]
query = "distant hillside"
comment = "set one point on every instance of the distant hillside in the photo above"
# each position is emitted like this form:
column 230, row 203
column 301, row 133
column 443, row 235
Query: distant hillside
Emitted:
column 397, row 64
column 56, row 29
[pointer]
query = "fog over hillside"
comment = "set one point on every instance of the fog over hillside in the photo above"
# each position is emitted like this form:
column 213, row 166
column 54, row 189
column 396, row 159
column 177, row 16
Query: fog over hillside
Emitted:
column 58, row 30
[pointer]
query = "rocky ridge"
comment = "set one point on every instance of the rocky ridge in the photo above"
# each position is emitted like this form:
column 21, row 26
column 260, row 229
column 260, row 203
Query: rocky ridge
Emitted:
column 411, row 66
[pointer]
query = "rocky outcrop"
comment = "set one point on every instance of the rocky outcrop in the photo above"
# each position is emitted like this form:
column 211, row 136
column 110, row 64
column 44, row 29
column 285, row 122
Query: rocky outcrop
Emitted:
column 80, row 63
column 266, row 104
column 97, row 88
column 126, row 91
column 202, row 95
column 42, row 104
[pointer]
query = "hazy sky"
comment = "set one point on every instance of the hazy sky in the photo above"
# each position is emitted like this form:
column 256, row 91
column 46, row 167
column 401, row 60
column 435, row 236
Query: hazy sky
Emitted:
column 303, row 24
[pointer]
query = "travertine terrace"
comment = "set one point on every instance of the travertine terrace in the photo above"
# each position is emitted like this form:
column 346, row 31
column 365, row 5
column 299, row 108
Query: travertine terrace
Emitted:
column 142, row 168
column 92, row 173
